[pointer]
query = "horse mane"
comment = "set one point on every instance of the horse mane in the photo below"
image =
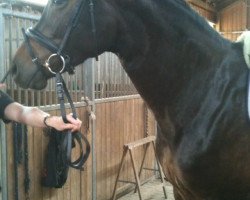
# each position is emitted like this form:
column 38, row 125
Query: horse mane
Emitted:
column 147, row 7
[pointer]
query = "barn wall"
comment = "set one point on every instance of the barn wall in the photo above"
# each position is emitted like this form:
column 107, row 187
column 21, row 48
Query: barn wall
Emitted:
column 115, row 128
column 248, row 13
column 204, row 10
column 233, row 20
column 118, row 121
column 78, row 185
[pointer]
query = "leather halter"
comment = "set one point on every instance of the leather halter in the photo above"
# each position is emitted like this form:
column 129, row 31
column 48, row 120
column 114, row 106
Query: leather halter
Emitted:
column 54, row 48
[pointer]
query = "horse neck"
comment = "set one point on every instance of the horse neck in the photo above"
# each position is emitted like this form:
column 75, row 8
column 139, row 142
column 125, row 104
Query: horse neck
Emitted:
column 162, row 45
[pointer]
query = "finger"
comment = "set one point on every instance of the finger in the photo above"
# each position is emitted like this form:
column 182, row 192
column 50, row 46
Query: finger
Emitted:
column 73, row 127
column 70, row 118
column 76, row 122
column 68, row 127
column 77, row 127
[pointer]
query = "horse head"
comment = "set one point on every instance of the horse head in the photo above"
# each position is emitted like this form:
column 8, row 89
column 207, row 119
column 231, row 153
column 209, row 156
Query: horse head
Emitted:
column 89, row 25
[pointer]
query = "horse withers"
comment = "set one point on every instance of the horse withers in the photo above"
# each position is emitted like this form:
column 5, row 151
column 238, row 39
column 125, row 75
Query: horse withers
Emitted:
column 194, row 81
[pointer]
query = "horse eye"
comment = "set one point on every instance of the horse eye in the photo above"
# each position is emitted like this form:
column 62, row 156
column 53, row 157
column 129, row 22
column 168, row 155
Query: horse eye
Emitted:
column 59, row 1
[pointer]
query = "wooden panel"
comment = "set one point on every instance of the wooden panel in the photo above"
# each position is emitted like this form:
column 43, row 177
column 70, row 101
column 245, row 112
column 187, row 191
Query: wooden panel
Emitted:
column 204, row 10
column 78, row 181
column 117, row 123
column 248, row 14
column 233, row 20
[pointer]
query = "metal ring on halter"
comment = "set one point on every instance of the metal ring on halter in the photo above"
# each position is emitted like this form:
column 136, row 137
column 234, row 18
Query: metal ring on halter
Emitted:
column 48, row 65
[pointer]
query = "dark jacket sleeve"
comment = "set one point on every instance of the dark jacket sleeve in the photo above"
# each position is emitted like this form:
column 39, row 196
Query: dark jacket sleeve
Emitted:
column 5, row 100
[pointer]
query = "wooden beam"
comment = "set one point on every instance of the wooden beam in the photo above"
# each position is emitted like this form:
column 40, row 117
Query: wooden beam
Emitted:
column 201, row 4
column 140, row 142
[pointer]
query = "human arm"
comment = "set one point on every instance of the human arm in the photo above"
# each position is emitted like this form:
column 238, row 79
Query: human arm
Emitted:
column 35, row 117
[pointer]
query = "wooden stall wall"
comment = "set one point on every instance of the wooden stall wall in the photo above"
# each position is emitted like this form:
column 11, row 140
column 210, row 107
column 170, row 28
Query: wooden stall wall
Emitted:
column 118, row 121
column 233, row 20
column 248, row 13
column 204, row 10
column 78, row 185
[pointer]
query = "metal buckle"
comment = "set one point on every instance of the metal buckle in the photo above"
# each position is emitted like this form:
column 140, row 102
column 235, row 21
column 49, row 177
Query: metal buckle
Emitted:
column 47, row 63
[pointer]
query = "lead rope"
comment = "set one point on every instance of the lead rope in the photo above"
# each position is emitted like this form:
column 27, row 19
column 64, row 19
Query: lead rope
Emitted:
column 15, row 150
column 90, row 113
column 26, row 164
column 78, row 163
column 20, row 140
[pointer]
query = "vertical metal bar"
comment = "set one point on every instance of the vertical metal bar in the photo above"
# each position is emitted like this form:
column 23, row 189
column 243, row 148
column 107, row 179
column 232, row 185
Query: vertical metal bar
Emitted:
column 7, row 46
column 89, row 88
column 120, row 81
column 105, row 76
column 80, row 82
column 33, row 92
column 115, row 75
column 76, row 83
column 3, row 177
column 50, row 92
column 26, row 92
column 2, row 72
column 17, row 45
column 3, row 141
column 123, row 83
column 96, row 81
column 109, row 69
column 102, row 70
column 44, row 99
column 112, row 75
column 248, row 14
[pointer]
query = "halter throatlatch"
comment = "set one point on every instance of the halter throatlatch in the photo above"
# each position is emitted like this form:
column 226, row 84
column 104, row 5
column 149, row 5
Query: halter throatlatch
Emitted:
column 78, row 137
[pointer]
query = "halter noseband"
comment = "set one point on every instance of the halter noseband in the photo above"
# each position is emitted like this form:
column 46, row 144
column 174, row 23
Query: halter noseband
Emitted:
column 57, row 51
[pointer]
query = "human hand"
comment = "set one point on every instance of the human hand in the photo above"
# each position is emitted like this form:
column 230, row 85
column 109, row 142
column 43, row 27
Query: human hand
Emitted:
column 58, row 123
column 2, row 85
column 77, row 123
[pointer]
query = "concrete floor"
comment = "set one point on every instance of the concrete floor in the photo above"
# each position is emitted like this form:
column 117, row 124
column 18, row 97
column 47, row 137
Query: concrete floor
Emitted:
column 151, row 191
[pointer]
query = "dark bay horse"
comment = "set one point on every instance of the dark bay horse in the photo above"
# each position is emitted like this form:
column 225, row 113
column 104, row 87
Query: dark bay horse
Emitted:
column 194, row 81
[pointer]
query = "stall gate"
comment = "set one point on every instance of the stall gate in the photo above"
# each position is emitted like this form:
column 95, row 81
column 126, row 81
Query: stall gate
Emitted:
column 121, row 117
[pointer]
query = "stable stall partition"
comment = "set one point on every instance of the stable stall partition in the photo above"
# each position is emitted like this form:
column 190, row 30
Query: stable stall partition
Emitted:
column 118, row 121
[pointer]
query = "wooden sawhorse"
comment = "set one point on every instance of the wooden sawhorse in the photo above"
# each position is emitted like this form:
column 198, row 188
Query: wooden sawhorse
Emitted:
column 128, row 148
